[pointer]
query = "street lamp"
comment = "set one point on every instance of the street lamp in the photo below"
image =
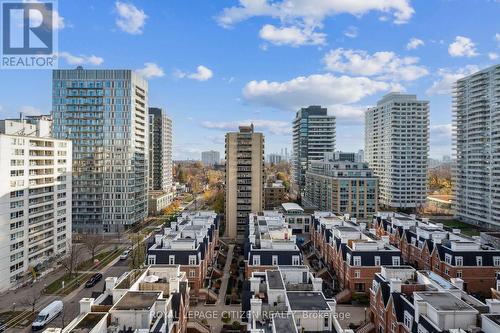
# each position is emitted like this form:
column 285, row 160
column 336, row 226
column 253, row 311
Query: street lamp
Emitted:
column 365, row 314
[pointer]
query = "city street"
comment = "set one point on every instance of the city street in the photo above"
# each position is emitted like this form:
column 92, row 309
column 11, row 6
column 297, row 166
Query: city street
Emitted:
column 71, row 301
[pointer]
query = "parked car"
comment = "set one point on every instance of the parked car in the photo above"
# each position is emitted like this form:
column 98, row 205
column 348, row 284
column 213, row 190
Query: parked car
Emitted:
column 124, row 255
column 93, row 280
column 47, row 315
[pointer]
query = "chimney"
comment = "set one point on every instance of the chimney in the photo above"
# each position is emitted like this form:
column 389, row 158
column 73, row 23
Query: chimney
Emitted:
column 385, row 239
column 457, row 282
column 494, row 305
column 395, row 285
column 158, row 240
column 110, row 283
column 317, row 284
column 254, row 284
column 86, row 305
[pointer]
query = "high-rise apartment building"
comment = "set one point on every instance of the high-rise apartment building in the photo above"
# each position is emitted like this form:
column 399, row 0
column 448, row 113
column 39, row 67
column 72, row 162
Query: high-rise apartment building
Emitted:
column 396, row 149
column 313, row 137
column 210, row 158
column 476, row 106
column 342, row 187
column 160, row 151
column 105, row 114
column 35, row 206
column 244, row 178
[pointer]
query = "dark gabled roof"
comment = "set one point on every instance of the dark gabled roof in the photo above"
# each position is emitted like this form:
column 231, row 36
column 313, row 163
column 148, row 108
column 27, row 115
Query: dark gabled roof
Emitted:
column 181, row 256
column 368, row 257
column 469, row 257
column 266, row 256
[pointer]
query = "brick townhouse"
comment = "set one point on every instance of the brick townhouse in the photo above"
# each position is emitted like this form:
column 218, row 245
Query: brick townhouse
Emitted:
column 450, row 254
column 190, row 242
column 353, row 253
column 403, row 300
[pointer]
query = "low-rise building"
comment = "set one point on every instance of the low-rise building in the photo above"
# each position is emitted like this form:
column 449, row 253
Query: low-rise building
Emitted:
column 405, row 300
column 154, row 299
column 158, row 200
column 351, row 251
column 446, row 252
column 342, row 187
column 288, row 299
column 274, row 194
column 191, row 242
column 270, row 243
column 296, row 218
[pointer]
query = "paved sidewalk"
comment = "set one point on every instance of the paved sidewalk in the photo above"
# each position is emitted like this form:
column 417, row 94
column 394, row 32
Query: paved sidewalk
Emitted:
column 225, row 276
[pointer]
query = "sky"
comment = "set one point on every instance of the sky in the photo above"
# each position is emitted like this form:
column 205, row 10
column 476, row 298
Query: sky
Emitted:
column 213, row 65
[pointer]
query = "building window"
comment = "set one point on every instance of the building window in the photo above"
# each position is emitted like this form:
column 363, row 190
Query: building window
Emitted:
column 326, row 322
column 459, row 261
column 192, row 260
column 275, row 260
column 479, row 261
column 447, row 258
column 295, row 260
column 357, row 274
column 408, row 320
column 356, row 261
column 171, row 260
column 496, row 261
column 151, row 260
column 359, row 287
column 192, row 273
column 459, row 274
column 256, row 260
column 377, row 261
column 446, row 270
column 395, row 261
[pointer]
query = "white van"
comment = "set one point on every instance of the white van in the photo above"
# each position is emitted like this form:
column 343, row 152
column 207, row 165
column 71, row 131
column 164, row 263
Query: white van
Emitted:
column 46, row 315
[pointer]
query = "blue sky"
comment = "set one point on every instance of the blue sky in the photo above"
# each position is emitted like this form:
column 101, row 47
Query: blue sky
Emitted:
column 215, row 64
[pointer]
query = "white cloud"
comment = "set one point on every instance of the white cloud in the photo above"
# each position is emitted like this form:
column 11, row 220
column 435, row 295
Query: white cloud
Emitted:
column 151, row 70
column 351, row 32
column 323, row 89
column 441, row 130
column 202, row 74
column 275, row 127
column 384, row 65
column 447, row 78
column 414, row 44
column 493, row 56
column 313, row 12
column 497, row 37
column 293, row 36
column 462, row 47
column 81, row 59
column 130, row 18
column 29, row 110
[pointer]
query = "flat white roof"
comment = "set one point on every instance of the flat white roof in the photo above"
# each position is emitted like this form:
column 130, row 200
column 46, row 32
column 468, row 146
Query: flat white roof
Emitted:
column 291, row 206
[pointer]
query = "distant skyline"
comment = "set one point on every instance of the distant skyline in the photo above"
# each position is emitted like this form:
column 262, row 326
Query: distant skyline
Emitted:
column 213, row 65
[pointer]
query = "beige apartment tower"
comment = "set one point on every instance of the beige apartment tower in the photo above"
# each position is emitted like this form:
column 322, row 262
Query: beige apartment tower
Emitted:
column 244, row 178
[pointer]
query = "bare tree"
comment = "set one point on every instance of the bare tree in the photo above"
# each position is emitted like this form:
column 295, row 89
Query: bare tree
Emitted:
column 93, row 244
column 32, row 299
column 72, row 258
